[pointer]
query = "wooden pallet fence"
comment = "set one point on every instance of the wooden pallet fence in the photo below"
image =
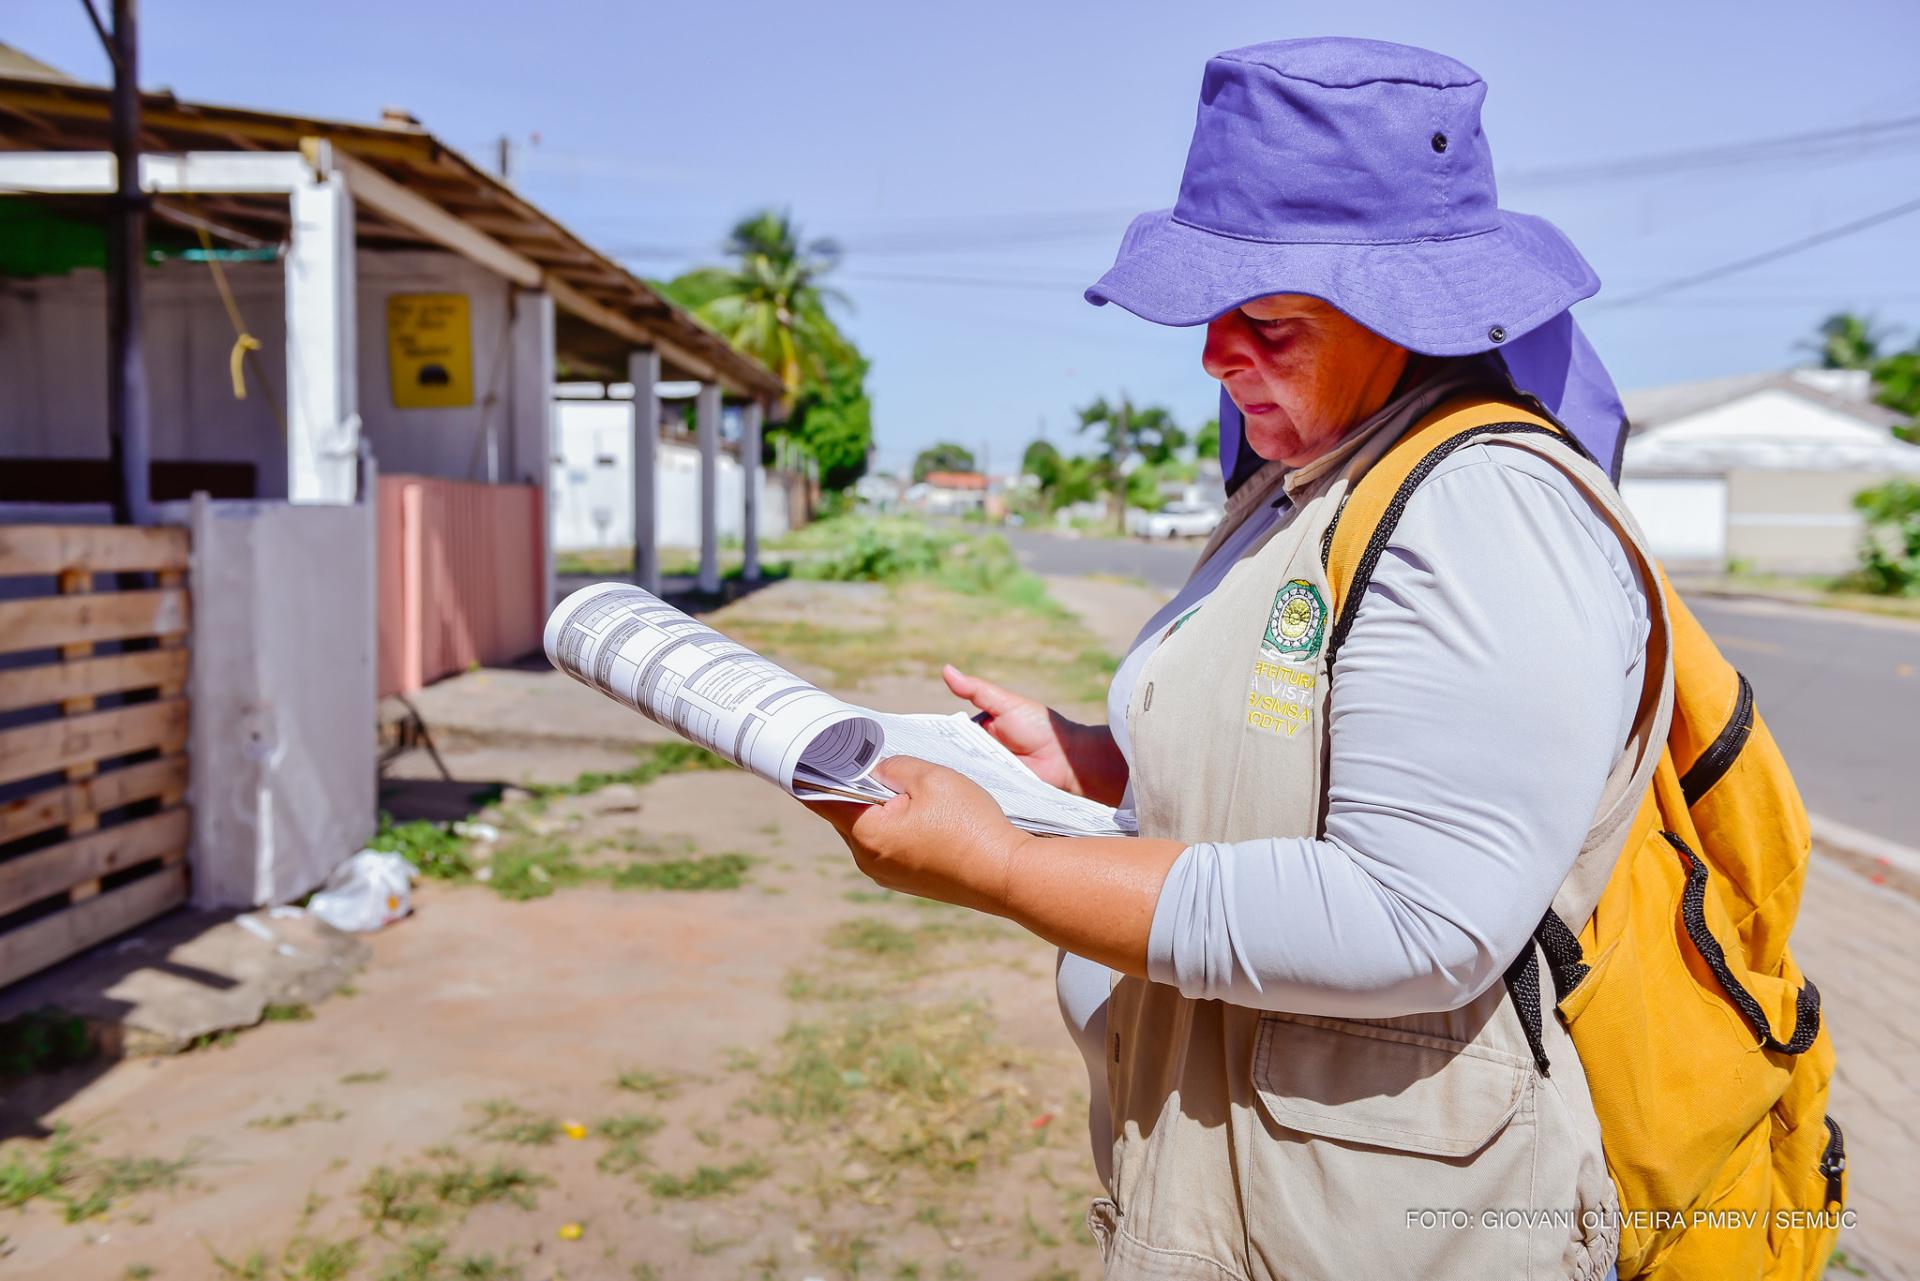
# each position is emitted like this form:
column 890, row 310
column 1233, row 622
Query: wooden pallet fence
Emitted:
column 93, row 733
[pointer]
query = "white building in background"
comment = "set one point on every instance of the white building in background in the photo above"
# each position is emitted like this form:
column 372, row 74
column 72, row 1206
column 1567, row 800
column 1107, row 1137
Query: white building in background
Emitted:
column 592, row 477
column 1759, row 470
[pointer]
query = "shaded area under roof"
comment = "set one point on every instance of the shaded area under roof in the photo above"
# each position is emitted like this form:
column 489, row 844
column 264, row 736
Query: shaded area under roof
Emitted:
column 604, row 311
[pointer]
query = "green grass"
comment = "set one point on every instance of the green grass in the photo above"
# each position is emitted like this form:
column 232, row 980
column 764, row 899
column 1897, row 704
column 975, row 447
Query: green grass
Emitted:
column 430, row 847
column 657, row 1085
column 43, row 1041
column 254, row 1267
column 309, row 1259
column 63, row 1170
column 315, row 1111
column 655, row 759
column 531, row 866
column 707, row 1180
column 626, row 1137
column 288, row 1013
column 914, row 1088
column 504, row 1121
column 712, row 872
column 420, row 1197
column 875, row 937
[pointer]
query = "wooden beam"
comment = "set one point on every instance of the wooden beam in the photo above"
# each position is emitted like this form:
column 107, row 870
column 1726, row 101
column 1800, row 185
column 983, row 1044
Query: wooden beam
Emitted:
column 27, row 878
column 58, row 806
column 517, row 229
column 52, row 621
column 381, row 193
column 100, row 549
column 599, row 314
column 46, row 683
column 51, row 746
column 38, row 944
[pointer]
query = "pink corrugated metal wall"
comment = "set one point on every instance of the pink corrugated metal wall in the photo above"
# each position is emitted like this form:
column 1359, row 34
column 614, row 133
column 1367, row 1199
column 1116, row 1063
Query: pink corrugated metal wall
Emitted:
column 461, row 577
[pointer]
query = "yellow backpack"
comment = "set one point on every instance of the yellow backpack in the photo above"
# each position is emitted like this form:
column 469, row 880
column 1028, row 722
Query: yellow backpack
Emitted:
column 1700, row 1038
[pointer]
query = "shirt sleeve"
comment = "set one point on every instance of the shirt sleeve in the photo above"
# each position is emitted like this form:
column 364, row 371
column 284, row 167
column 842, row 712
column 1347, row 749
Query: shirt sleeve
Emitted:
column 1479, row 703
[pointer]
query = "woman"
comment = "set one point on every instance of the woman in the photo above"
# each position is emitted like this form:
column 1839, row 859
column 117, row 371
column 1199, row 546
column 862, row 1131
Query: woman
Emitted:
column 1287, row 987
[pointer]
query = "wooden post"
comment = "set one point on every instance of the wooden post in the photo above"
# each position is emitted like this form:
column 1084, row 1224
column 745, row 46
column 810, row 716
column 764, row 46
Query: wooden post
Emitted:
column 707, row 409
column 128, row 428
column 643, row 370
column 323, row 419
column 750, row 485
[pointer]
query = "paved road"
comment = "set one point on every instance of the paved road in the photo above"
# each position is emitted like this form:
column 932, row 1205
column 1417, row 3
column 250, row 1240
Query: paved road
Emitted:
column 1841, row 692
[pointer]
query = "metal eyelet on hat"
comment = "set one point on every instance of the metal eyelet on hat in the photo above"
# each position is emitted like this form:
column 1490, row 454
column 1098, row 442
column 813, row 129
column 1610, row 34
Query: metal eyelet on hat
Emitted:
column 1439, row 142
column 1497, row 334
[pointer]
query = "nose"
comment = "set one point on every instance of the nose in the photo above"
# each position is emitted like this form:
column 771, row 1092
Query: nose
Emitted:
column 1228, row 342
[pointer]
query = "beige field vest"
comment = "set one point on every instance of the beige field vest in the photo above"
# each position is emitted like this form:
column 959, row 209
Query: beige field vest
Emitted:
column 1256, row 1146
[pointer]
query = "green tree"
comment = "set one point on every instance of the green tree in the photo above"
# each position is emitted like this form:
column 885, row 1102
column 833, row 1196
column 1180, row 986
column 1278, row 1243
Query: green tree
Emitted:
column 1124, row 430
column 1890, row 547
column 945, row 456
column 1206, row 441
column 1043, row 462
column 1847, row 341
column 771, row 302
column 833, row 421
column 1896, row 381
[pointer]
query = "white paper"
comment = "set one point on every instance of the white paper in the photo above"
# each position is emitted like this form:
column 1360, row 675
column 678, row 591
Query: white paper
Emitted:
column 628, row 643
column 636, row 648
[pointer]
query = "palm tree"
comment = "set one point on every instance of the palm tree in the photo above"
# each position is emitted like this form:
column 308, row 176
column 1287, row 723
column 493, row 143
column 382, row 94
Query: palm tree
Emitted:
column 771, row 303
column 1848, row 341
column 1124, row 430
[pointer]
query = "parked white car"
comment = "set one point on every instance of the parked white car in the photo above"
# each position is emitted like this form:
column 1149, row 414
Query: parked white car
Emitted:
column 1178, row 520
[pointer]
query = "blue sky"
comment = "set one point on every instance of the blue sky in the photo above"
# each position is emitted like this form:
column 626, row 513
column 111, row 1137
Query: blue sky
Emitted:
column 979, row 161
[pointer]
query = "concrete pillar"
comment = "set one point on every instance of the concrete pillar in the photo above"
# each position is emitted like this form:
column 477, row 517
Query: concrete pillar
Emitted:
column 707, row 411
column 750, row 486
column 323, row 406
column 643, row 371
column 530, row 417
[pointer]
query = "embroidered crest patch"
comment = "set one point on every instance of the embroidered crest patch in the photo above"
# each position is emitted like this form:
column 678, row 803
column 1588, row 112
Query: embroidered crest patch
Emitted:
column 1298, row 623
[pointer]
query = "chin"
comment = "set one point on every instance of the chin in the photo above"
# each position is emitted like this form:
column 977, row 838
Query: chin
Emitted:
column 1275, row 449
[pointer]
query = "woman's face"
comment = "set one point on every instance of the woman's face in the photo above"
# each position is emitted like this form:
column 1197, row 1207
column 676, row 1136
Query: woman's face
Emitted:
column 1301, row 372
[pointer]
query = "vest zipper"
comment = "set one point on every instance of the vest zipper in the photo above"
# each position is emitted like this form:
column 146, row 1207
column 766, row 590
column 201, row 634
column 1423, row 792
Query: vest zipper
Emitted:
column 1721, row 752
column 1833, row 1161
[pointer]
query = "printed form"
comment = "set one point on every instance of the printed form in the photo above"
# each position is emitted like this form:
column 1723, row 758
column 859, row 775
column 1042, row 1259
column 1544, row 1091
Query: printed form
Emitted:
column 634, row 647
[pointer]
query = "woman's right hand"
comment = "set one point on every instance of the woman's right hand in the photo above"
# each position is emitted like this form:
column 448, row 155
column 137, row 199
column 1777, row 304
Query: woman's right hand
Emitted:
column 1081, row 759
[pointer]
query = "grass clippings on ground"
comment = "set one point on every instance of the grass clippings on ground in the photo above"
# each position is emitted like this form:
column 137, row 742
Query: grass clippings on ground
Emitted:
column 64, row 1170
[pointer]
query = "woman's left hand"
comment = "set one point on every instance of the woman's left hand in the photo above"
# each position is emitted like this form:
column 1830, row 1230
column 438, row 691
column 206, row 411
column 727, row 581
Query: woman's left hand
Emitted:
column 942, row 837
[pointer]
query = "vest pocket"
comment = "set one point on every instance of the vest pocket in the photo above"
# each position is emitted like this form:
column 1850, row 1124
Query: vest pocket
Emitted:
column 1386, row 1086
column 1409, row 1142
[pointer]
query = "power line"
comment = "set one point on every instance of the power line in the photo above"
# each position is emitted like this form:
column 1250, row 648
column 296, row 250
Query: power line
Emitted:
column 972, row 282
column 1760, row 259
column 1843, row 140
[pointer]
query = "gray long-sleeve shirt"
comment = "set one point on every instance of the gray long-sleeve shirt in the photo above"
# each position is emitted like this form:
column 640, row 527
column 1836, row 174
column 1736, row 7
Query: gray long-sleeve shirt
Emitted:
column 1481, row 698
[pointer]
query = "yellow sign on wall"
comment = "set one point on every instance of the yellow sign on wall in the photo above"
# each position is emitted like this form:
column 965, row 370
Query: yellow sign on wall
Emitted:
column 430, row 350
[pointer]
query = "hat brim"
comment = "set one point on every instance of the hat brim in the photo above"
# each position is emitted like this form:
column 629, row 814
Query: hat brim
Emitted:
column 1439, row 297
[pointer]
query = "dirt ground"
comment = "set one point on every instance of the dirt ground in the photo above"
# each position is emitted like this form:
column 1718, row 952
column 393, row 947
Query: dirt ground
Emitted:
column 787, row 1075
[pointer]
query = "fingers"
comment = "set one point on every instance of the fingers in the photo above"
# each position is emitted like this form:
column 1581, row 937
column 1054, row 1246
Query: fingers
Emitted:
column 841, row 814
column 903, row 773
column 985, row 695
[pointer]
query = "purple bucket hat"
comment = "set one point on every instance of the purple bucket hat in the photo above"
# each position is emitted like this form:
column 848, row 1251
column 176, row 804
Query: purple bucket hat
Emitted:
column 1356, row 171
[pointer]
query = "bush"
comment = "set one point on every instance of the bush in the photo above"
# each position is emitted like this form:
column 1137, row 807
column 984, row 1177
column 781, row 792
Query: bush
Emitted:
column 1890, row 548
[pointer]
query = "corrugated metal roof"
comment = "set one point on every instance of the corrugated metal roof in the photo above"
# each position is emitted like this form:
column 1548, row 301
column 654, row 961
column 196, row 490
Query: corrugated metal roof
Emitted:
column 41, row 114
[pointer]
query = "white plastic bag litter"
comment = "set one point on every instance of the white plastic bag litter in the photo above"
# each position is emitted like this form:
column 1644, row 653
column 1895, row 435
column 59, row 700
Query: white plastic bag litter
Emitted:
column 369, row 890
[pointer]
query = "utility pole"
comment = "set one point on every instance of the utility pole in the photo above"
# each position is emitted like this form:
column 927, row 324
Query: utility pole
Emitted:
column 128, row 434
column 1120, row 481
column 503, row 153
